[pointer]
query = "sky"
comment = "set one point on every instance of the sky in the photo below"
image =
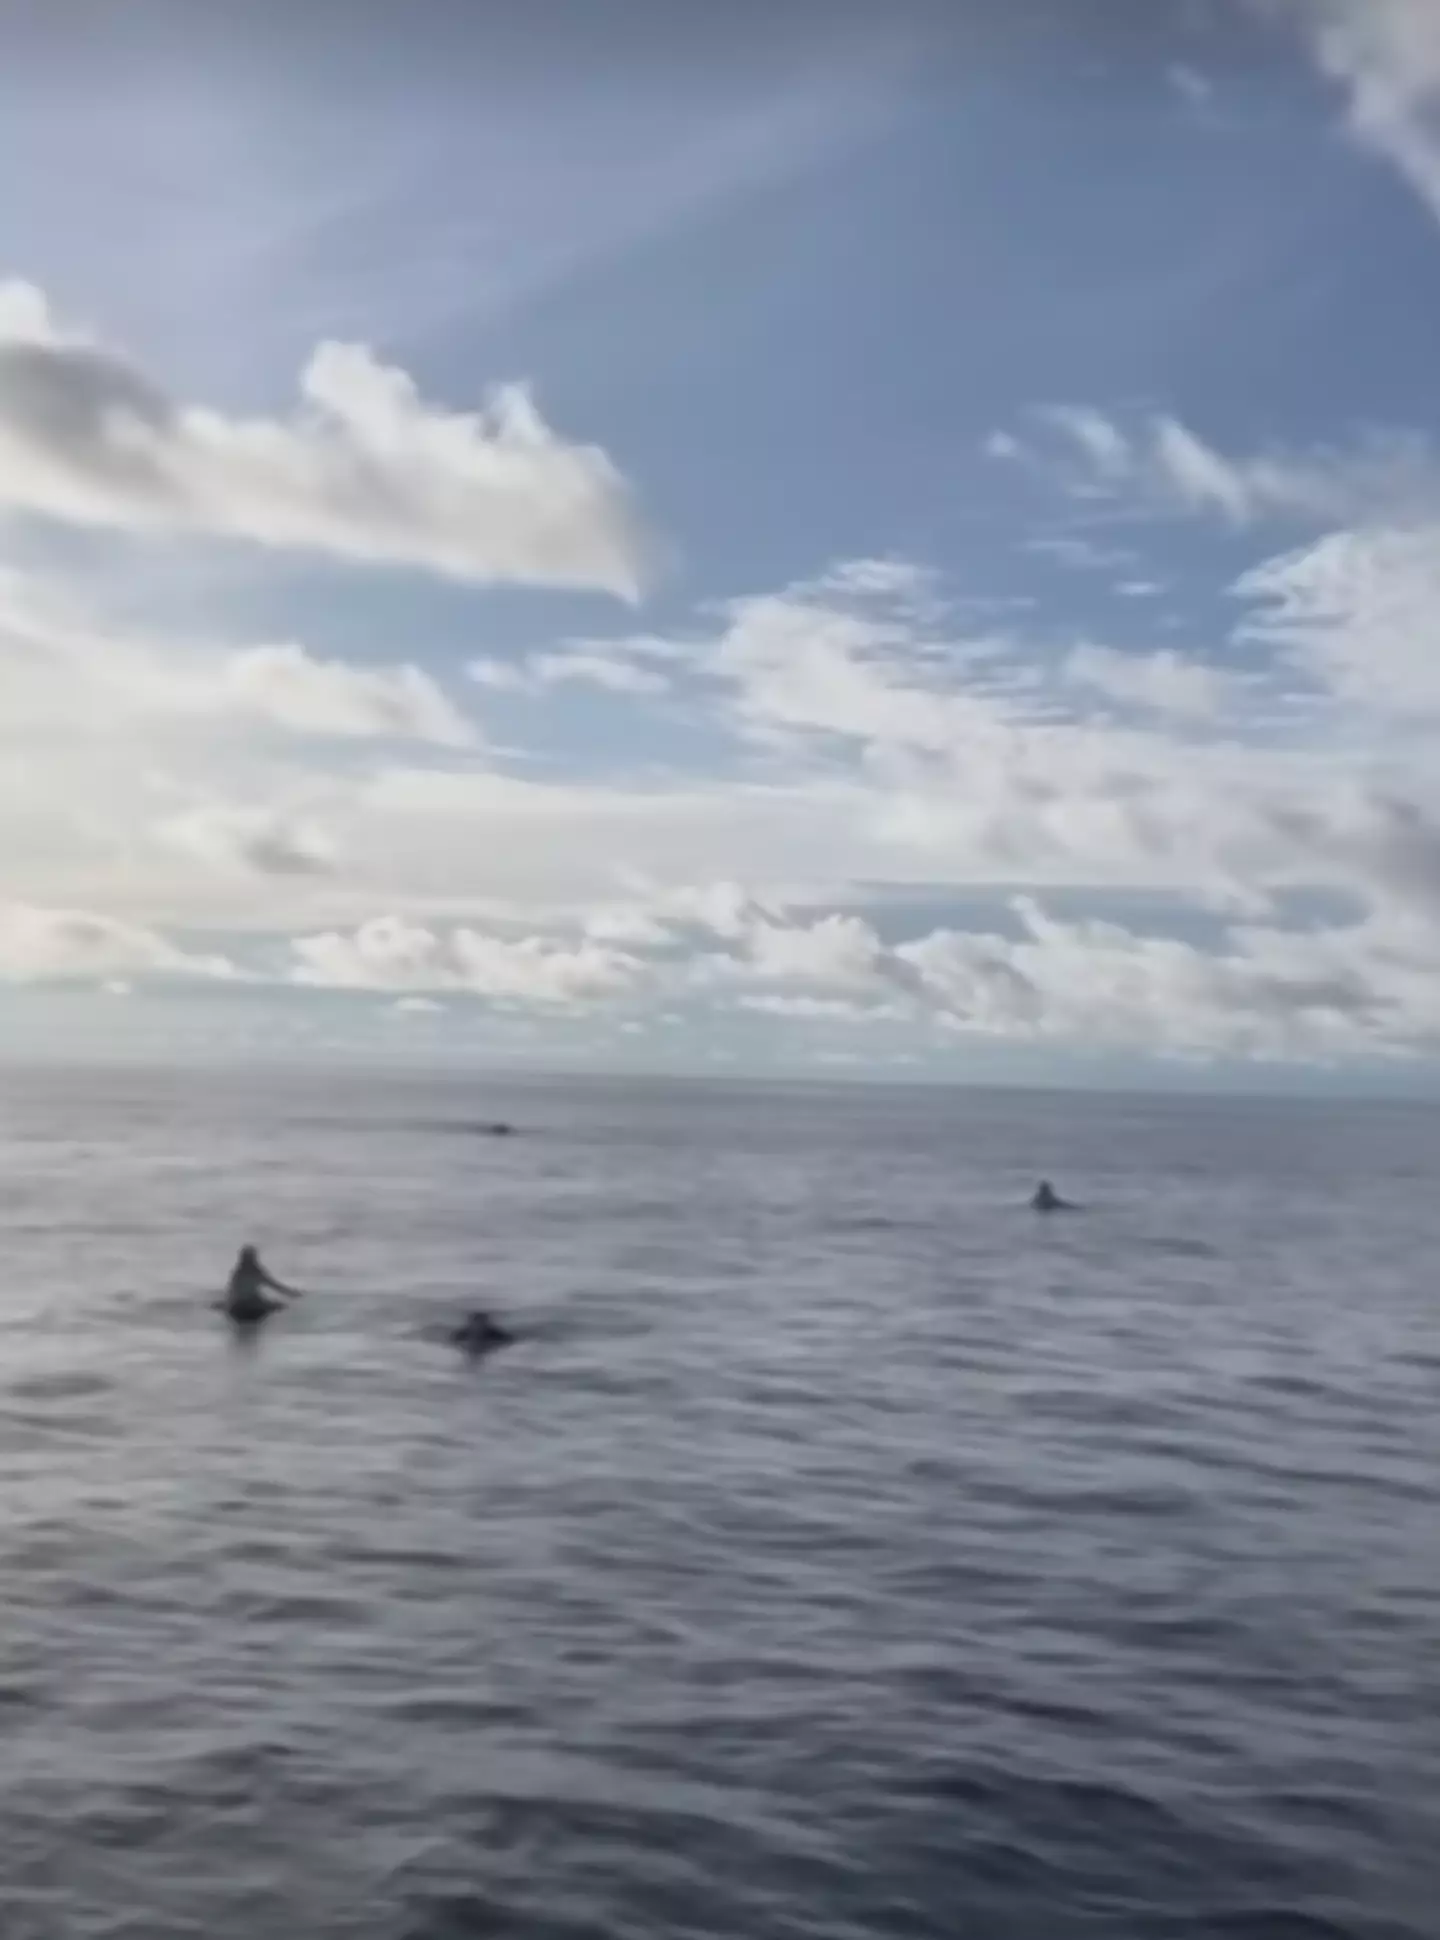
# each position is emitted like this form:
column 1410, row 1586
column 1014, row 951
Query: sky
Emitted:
column 881, row 541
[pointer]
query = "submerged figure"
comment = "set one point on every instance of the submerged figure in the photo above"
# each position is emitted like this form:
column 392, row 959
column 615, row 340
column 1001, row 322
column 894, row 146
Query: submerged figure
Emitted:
column 1047, row 1199
column 479, row 1333
column 247, row 1298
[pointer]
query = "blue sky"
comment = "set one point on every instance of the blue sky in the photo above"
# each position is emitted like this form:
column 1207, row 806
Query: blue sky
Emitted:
column 853, row 539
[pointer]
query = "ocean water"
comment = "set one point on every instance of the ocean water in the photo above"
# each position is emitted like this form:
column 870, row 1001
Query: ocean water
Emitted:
column 843, row 1551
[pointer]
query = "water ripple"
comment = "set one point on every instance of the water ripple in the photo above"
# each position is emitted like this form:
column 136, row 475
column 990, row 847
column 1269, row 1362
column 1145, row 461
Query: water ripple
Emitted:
column 842, row 1553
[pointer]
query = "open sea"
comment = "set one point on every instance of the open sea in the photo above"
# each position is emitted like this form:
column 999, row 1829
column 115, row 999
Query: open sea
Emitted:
column 842, row 1551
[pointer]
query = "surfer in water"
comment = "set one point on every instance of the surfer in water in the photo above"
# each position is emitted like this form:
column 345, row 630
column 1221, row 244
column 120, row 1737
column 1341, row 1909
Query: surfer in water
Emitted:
column 1047, row 1200
column 248, row 1296
column 479, row 1333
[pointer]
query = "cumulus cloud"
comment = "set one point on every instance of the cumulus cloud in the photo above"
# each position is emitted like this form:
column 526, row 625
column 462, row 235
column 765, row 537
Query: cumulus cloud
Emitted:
column 870, row 738
column 836, row 950
column 364, row 470
column 1368, row 987
column 1358, row 611
column 1270, row 994
column 390, row 954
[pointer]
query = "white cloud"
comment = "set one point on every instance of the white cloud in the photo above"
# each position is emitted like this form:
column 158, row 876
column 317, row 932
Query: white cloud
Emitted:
column 821, row 1010
column 1359, row 610
column 389, row 954
column 40, row 945
column 836, row 950
column 294, row 689
column 629, row 927
column 825, row 666
column 1160, row 463
column 1365, row 988
column 1270, row 994
column 725, row 909
column 60, row 662
column 612, row 669
column 365, row 469
column 1386, row 56
column 1163, row 682
column 1099, row 438
column 263, row 840
column 659, row 917
column 502, row 676
column 610, row 672
column 1200, row 476
column 969, row 768
column 902, row 582
column 868, row 740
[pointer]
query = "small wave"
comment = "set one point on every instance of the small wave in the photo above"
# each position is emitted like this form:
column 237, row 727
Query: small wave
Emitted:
column 1184, row 1249
column 1280, row 1923
column 61, row 1387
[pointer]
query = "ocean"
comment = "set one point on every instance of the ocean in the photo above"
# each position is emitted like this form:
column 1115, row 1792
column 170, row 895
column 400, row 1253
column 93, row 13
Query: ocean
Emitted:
column 841, row 1551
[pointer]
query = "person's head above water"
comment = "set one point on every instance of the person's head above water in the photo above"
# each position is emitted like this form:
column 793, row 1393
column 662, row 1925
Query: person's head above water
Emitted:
column 480, row 1329
column 249, row 1256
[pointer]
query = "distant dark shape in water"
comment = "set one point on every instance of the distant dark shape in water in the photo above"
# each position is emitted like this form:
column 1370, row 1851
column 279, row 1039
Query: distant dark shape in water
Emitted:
column 499, row 1130
column 249, row 1297
column 480, row 1333
column 1047, row 1200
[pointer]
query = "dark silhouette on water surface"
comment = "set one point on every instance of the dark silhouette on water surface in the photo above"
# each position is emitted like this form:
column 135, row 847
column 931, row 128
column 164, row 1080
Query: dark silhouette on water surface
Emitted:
column 480, row 1333
column 1047, row 1200
column 248, row 1299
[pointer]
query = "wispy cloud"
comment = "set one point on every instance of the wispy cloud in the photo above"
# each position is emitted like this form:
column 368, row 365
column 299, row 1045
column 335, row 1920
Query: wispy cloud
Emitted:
column 1385, row 54
column 1193, row 87
column 614, row 668
column 1158, row 462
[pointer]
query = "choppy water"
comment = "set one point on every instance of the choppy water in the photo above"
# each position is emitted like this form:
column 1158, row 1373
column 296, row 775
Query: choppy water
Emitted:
column 845, row 1552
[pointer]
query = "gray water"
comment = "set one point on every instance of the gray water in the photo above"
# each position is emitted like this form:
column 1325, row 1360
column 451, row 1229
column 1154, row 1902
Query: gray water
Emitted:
column 843, row 1551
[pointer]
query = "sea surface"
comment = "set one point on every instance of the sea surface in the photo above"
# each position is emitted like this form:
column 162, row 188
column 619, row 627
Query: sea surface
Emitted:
column 842, row 1551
